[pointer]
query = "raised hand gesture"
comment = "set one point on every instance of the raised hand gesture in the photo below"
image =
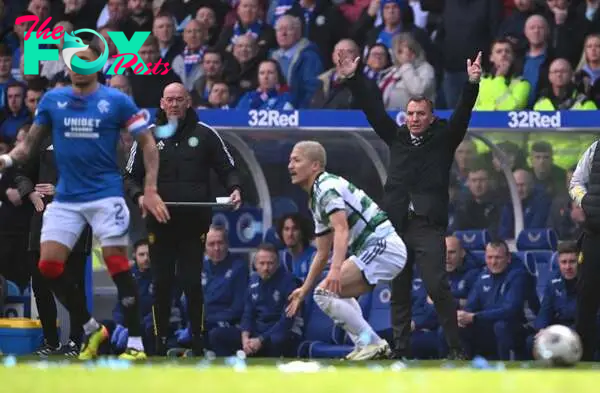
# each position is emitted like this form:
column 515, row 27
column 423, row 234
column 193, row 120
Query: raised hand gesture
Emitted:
column 347, row 64
column 474, row 69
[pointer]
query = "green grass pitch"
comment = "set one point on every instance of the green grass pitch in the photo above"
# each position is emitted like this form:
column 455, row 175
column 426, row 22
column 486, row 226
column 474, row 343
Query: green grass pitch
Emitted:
column 264, row 376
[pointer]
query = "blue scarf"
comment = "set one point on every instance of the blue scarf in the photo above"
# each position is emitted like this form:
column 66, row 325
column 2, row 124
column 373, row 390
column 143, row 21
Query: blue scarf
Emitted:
column 253, row 30
column 371, row 73
column 191, row 58
column 258, row 99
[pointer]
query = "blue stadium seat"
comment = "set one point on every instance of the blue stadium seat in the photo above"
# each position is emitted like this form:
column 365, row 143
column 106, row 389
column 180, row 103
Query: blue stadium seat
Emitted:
column 527, row 259
column 554, row 262
column 378, row 314
column 12, row 289
column 272, row 237
column 475, row 239
column 281, row 206
column 541, row 242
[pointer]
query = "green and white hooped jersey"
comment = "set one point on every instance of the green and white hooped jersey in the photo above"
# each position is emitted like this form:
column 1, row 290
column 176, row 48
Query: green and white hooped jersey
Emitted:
column 331, row 193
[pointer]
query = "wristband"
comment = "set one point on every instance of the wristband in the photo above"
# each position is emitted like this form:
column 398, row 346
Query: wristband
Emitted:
column 8, row 161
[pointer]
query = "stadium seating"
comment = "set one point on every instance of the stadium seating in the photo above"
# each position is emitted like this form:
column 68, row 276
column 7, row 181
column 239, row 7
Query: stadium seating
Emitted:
column 541, row 244
column 474, row 241
column 281, row 206
column 12, row 289
column 272, row 237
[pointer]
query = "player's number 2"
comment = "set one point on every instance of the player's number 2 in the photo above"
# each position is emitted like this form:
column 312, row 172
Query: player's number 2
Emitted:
column 119, row 212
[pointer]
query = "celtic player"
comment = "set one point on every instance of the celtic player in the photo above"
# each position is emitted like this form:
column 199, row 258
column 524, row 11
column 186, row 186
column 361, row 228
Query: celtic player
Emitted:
column 346, row 218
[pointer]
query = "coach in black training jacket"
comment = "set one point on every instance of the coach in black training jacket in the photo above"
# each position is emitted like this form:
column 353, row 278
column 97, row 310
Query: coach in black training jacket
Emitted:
column 416, row 195
column 186, row 160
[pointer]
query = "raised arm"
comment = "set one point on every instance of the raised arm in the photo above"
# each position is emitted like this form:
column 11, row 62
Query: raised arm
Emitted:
column 459, row 121
column 367, row 97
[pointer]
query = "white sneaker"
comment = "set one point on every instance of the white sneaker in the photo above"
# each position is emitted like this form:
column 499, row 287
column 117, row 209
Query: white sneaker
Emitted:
column 352, row 354
column 374, row 351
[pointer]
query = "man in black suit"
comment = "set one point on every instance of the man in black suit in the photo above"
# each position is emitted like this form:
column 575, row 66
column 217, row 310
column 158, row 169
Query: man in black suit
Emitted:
column 416, row 193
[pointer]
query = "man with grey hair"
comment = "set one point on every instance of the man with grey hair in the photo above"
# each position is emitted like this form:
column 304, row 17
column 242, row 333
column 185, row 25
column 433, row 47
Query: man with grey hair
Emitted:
column 299, row 60
column 349, row 222
column 332, row 94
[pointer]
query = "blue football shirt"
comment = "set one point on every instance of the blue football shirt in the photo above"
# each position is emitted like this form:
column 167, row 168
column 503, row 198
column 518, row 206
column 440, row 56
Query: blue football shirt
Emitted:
column 85, row 136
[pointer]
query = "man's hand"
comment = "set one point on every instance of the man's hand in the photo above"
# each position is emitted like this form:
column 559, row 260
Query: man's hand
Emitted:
column 474, row 69
column 46, row 189
column 295, row 299
column 36, row 200
column 412, row 326
column 246, row 345
column 464, row 318
column 255, row 344
column 236, row 198
column 13, row 196
column 153, row 203
column 332, row 281
column 6, row 162
column 560, row 15
column 347, row 64
column 373, row 8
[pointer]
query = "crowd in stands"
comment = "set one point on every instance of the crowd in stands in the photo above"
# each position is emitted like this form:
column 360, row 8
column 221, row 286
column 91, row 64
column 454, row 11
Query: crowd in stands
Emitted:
column 280, row 54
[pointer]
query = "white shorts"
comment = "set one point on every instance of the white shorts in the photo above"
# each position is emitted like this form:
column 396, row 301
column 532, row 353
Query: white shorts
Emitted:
column 109, row 218
column 382, row 258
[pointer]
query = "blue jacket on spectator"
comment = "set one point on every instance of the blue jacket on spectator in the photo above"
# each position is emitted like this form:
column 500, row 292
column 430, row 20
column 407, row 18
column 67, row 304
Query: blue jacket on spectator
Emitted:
column 10, row 124
column 301, row 74
column 146, row 295
column 462, row 279
column 298, row 267
column 423, row 312
column 559, row 303
column 536, row 209
column 264, row 312
column 271, row 100
column 498, row 297
column 225, row 285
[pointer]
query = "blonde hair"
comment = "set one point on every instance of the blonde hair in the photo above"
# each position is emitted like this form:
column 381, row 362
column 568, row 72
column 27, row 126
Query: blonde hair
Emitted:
column 411, row 43
column 314, row 151
column 583, row 59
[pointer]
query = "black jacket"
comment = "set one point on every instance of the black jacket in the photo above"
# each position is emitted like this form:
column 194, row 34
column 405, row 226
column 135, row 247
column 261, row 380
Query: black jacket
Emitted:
column 14, row 220
column 185, row 163
column 41, row 168
column 418, row 174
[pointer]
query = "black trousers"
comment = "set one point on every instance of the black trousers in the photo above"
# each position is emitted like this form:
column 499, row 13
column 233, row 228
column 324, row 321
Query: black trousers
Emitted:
column 426, row 248
column 176, row 257
column 44, row 297
column 13, row 258
column 588, row 294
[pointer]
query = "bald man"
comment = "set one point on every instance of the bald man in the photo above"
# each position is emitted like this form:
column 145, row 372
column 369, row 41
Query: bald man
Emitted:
column 563, row 94
column 187, row 157
column 331, row 94
column 535, row 203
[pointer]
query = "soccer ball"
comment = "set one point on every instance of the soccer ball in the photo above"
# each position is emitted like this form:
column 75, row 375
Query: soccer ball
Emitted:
column 557, row 346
